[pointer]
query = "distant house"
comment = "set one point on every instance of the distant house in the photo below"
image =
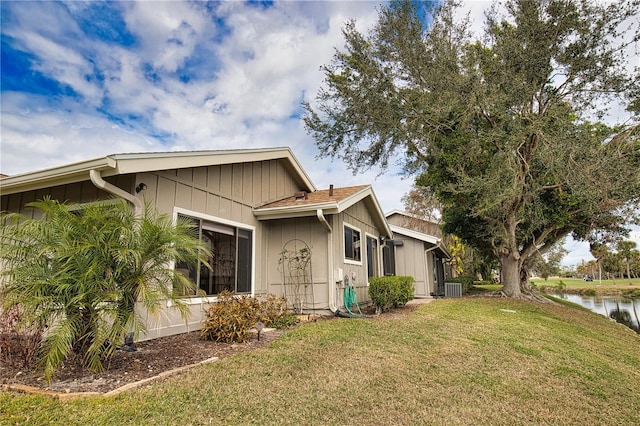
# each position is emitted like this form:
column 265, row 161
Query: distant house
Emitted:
column 271, row 230
column 417, row 252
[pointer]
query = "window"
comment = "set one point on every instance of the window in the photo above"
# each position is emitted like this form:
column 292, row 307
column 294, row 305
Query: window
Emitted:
column 231, row 258
column 352, row 244
column 372, row 257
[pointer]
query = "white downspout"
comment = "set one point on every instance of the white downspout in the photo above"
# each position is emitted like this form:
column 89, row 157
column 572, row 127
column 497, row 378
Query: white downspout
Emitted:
column 330, row 278
column 98, row 181
column 323, row 220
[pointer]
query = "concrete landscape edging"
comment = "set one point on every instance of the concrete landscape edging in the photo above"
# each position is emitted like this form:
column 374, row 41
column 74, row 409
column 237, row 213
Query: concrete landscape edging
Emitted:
column 68, row 396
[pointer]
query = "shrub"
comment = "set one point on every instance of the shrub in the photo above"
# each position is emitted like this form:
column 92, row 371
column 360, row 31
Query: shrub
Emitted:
column 230, row 318
column 390, row 292
column 287, row 319
column 467, row 283
column 19, row 343
column 561, row 286
column 273, row 312
column 271, row 308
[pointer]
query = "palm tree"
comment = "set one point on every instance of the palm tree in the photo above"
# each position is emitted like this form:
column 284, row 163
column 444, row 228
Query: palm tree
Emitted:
column 625, row 250
column 600, row 252
column 79, row 271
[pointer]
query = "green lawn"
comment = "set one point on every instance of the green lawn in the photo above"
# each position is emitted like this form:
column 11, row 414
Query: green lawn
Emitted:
column 579, row 282
column 579, row 286
column 453, row 361
column 576, row 285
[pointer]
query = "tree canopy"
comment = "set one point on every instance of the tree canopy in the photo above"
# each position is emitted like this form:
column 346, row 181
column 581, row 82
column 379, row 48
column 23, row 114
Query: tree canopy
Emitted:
column 501, row 129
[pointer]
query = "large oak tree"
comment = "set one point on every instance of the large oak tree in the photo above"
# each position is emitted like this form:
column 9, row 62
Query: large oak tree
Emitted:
column 501, row 129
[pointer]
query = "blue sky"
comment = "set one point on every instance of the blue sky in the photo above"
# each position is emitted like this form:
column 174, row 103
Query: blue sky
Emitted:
column 86, row 79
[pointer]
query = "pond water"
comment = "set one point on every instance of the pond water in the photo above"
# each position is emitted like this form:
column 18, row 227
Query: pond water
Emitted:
column 625, row 311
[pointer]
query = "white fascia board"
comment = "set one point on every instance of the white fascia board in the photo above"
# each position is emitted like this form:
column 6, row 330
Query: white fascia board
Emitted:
column 70, row 173
column 421, row 237
column 415, row 234
column 147, row 162
column 410, row 215
column 295, row 211
column 362, row 195
column 380, row 214
column 392, row 212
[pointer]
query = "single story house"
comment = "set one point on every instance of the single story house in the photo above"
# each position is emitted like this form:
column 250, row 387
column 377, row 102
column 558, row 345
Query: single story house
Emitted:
column 417, row 253
column 258, row 210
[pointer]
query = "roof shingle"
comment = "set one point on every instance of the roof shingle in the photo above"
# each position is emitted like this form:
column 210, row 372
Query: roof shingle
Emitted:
column 320, row 196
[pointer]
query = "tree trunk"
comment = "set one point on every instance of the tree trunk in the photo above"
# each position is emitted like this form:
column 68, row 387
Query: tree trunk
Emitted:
column 510, row 275
column 524, row 281
column 599, row 273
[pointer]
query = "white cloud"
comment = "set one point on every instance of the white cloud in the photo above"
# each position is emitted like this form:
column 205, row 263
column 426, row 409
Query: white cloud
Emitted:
column 245, row 91
column 36, row 135
column 168, row 31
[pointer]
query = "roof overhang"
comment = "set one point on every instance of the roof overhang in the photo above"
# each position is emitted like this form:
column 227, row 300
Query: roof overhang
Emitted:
column 434, row 241
column 365, row 195
column 119, row 164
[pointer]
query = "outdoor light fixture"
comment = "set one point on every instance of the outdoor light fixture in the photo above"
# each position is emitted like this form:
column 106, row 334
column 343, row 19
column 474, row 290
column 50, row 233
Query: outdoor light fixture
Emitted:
column 141, row 187
column 259, row 327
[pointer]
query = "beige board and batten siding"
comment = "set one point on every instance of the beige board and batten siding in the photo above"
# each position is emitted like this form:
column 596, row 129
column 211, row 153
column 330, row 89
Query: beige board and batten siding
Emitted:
column 229, row 189
column 227, row 192
column 327, row 212
column 296, row 233
column 357, row 216
column 411, row 260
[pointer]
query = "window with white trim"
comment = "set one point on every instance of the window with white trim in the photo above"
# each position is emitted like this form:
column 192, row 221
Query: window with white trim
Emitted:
column 231, row 258
column 352, row 244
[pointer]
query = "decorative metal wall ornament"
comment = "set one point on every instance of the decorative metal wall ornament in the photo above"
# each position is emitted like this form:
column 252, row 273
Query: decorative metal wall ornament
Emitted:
column 297, row 277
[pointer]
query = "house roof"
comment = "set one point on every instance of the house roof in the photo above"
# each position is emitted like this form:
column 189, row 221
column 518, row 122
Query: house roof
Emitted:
column 328, row 201
column 407, row 215
column 118, row 164
column 392, row 212
column 435, row 241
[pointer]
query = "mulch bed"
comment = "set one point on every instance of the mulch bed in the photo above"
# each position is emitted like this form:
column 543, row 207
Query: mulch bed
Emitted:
column 152, row 358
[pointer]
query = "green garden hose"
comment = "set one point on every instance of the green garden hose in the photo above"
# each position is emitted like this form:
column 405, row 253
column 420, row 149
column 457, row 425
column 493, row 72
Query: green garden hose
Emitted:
column 350, row 299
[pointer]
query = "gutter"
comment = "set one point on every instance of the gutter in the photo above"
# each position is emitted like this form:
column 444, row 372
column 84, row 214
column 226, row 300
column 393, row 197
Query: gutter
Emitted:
column 98, row 181
column 432, row 248
column 323, row 220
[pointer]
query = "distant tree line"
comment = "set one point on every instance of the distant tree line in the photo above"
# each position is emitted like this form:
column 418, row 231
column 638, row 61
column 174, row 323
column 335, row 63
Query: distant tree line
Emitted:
column 622, row 263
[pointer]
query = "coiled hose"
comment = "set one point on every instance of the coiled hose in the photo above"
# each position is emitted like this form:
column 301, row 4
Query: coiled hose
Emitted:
column 350, row 298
